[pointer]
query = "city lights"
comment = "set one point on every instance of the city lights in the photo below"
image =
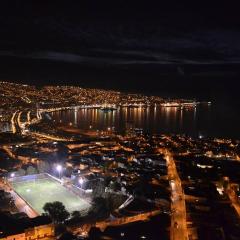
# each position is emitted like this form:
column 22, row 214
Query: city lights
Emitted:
column 116, row 150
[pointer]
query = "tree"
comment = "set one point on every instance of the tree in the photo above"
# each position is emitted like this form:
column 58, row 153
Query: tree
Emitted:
column 94, row 233
column 21, row 172
column 76, row 217
column 31, row 170
column 115, row 186
column 115, row 201
column 76, row 214
column 142, row 188
column 100, row 208
column 56, row 211
column 67, row 236
column 43, row 167
column 68, row 171
column 98, row 188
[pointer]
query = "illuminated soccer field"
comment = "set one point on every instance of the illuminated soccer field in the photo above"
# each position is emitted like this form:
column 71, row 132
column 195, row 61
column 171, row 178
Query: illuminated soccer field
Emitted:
column 40, row 191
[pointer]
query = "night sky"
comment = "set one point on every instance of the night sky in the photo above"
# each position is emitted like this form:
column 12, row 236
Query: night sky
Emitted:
column 173, row 48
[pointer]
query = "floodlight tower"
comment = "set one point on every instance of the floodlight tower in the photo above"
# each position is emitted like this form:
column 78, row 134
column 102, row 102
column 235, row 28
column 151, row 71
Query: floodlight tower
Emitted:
column 59, row 169
column 80, row 181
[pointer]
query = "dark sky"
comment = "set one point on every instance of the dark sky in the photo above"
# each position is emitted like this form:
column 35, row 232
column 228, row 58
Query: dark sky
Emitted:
column 189, row 48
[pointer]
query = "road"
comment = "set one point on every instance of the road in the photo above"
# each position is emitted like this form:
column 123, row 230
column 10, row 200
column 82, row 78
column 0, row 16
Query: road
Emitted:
column 178, row 230
column 83, row 229
column 49, row 137
column 20, row 204
column 28, row 117
column 8, row 151
column 14, row 130
column 19, row 127
column 16, row 122
column 234, row 199
column 19, row 119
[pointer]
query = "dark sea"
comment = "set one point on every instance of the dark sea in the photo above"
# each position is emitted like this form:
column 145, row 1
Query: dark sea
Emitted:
column 216, row 120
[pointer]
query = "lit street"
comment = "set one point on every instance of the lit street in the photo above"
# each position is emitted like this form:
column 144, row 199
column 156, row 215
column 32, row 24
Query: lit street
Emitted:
column 178, row 229
column 234, row 199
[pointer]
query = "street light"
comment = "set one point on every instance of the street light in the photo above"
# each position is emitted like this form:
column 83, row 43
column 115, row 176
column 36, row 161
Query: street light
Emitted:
column 59, row 169
column 80, row 182
column 12, row 175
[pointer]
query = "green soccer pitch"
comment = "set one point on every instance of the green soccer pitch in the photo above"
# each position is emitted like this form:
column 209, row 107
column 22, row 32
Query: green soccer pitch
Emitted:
column 40, row 191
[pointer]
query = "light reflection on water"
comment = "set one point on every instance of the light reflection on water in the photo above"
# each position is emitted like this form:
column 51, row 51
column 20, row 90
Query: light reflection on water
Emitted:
column 154, row 119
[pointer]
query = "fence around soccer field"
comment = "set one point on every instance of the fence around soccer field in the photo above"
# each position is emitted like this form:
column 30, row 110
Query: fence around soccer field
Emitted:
column 29, row 178
column 79, row 192
column 18, row 198
column 41, row 176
